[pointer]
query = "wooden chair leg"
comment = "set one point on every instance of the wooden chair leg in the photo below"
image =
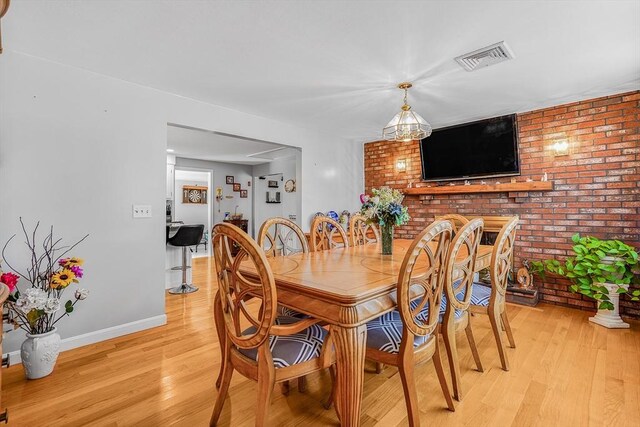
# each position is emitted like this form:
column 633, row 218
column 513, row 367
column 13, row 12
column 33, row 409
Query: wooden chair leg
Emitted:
column 266, row 382
column 474, row 349
column 223, row 389
column 449, row 338
column 507, row 327
column 379, row 367
column 494, row 318
column 437, row 362
column 332, row 396
column 285, row 387
column 405, row 368
column 302, row 384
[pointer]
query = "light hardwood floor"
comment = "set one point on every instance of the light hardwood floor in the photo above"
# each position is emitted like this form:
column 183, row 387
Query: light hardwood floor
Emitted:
column 165, row 376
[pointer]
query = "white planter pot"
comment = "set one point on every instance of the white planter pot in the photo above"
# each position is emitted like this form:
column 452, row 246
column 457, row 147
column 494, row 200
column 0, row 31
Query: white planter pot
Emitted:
column 611, row 318
column 39, row 354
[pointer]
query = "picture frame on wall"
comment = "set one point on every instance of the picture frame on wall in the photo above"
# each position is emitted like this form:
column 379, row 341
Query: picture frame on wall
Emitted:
column 230, row 179
column 237, row 187
column 243, row 194
column 273, row 184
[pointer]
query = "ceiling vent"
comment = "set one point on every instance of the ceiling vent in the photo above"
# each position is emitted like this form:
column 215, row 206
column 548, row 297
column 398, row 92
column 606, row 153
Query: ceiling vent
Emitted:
column 485, row 56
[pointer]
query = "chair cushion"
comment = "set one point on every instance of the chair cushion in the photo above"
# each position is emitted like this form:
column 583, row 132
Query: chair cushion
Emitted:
column 385, row 333
column 480, row 294
column 291, row 349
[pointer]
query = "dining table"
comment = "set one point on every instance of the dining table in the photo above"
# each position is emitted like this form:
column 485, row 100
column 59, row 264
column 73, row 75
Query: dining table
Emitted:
column 346, row 288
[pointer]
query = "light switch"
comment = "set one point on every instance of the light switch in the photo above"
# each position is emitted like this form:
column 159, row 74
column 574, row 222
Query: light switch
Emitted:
column 142, row 211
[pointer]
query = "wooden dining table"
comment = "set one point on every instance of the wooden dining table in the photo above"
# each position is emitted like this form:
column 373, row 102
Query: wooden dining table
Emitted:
column 346, row 287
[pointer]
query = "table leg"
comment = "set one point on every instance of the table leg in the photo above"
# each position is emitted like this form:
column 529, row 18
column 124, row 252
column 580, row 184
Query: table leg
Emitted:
column 350, row 344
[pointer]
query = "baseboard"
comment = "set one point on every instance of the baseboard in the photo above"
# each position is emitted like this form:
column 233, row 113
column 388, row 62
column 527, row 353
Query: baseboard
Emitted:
column 101, row 335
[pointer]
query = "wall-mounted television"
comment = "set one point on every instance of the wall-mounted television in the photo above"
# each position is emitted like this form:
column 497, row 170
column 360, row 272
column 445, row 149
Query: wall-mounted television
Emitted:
column 486, row 148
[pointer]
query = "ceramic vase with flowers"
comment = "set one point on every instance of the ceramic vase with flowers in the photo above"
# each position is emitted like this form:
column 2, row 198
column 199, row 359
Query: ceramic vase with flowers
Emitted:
column 38, row 308
column 384, row 207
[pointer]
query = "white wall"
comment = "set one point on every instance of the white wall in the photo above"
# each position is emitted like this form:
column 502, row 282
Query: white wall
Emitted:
column 78, row 149
column 191, row 213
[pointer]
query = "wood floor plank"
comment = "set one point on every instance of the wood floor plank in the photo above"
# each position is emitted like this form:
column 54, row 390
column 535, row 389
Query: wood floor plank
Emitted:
column 565, row 371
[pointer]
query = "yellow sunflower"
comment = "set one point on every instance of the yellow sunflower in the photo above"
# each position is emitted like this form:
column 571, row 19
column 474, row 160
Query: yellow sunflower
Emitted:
column 62, row 278
column 72, row 262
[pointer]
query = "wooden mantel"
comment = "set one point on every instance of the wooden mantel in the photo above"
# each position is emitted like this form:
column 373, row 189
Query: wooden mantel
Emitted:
column 506, row 187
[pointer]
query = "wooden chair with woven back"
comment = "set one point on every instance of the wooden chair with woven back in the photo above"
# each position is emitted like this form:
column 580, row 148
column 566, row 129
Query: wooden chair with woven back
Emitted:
column 409, row 334
column 257, row 343
column 458, row 221
column 491, row 300
column 457, row 297
column 326, row 234
column 360, row 232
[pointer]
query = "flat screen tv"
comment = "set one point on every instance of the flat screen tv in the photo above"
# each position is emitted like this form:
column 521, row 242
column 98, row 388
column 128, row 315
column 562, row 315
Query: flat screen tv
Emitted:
column 486, row 148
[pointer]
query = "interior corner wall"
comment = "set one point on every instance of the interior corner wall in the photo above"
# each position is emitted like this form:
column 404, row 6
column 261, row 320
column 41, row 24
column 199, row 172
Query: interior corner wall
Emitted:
column 597, row 186
column 78, row 149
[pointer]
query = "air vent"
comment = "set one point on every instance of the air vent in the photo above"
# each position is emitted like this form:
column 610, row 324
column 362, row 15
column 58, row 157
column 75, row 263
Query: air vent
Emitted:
column 486, row 56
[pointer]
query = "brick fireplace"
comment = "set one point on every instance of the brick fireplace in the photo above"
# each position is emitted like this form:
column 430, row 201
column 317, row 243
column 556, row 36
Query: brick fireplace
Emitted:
column 596, row 186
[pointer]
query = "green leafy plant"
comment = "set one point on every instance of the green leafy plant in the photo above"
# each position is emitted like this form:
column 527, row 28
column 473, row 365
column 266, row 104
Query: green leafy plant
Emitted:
column 596, row 262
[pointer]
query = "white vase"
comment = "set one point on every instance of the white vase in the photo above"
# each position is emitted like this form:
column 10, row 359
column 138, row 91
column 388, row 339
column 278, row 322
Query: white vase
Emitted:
column 611, row 318
column 39, row 354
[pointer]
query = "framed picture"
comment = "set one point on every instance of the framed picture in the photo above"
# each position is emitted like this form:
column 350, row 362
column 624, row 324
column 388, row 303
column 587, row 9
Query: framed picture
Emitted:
column 273, row 184
column 236, row 187
column 229, row 179
column 243, row 194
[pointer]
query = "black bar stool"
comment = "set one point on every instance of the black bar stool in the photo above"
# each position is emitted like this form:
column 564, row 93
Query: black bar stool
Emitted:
column 187, row 235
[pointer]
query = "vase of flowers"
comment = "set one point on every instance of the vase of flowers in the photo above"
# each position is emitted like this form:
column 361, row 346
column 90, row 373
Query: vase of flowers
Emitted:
column 38, row 308
column 384, row 207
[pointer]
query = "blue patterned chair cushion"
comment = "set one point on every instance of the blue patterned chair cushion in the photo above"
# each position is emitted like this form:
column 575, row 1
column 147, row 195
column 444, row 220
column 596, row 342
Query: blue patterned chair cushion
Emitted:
column 480, row 294
column 291, row 349
column 385, row 333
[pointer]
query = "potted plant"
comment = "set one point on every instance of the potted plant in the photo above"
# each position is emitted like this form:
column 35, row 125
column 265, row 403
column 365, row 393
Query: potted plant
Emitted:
column 599, row 269
column 37, row 309
column 385, row 208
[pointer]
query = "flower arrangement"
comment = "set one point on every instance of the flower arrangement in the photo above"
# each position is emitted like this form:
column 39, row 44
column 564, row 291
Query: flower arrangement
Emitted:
column 36, row 310
column 384, row 207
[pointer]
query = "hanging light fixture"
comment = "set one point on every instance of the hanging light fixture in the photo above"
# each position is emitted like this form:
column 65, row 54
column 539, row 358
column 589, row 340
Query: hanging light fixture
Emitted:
column 406, row 125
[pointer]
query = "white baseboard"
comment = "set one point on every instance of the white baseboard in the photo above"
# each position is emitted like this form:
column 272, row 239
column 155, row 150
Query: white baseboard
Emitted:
column 101, row 335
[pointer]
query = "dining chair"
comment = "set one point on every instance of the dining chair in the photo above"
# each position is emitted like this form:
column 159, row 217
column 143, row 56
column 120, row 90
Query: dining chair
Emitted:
column 361, row 232
column 491, row 299
column 457, row 220
column 457, row 297
column 409, row 334
column 280, row 236
column 327, row 233
column 257, row 343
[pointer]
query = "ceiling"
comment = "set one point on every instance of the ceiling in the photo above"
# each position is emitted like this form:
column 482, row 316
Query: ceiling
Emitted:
column 198, row 144
column 334, row 65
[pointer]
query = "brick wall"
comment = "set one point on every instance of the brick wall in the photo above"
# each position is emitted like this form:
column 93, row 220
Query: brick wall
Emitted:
column 597, row 189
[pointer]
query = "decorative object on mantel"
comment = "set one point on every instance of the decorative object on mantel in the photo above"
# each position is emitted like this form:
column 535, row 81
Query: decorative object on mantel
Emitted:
column 467, row 182
column 385, row 208
column 406, row 125
column 37, row 310
column 600, row 269
column 514, row 180
column 230, row 179
column 290, row 186
column 544, row 177
column 4, row 7
column 529, row 179
column 483, row 182
column 452, row 184
column 194, row 194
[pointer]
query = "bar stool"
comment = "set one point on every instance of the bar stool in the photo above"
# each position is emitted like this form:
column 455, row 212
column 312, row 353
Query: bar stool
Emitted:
column 187, row 235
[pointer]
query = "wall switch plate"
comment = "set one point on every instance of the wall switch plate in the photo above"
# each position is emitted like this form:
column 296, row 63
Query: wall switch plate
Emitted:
column 142, row 211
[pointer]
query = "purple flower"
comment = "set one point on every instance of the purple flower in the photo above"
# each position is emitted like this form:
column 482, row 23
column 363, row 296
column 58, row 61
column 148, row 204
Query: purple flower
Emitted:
column 77, row 270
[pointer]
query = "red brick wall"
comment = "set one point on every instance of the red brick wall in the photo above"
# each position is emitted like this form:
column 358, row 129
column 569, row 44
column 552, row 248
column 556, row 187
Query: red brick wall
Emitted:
column 597, row 189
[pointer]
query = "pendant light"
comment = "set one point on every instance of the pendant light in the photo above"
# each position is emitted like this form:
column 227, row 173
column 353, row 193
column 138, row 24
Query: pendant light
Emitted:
column 407, row 125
